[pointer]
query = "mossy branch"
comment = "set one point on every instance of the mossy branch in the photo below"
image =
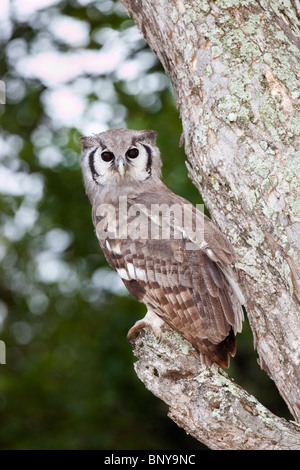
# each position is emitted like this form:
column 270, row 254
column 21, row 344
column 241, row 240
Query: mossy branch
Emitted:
column 207, row 403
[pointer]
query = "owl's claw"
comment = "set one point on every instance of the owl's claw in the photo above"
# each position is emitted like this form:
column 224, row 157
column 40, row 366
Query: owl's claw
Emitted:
column 150, row 320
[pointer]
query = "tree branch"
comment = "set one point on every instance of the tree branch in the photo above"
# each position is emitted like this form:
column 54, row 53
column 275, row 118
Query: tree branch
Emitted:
column 207, row 403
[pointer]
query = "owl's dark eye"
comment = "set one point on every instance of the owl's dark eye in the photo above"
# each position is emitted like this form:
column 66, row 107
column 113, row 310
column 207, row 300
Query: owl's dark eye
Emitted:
column 132, row 153
column 107, row 156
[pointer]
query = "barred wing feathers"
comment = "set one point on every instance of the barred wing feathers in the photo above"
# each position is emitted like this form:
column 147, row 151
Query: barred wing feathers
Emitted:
column 192, row 290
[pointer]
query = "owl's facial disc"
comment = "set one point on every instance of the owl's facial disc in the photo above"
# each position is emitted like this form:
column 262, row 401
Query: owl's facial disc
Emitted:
column 118, row 164
column 122, row 164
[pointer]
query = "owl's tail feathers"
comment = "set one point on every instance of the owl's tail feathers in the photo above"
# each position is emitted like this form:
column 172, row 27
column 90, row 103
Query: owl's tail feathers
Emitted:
column 219, row 353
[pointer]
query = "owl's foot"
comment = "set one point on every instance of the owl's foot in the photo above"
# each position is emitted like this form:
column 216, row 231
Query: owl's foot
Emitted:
column 151, row 320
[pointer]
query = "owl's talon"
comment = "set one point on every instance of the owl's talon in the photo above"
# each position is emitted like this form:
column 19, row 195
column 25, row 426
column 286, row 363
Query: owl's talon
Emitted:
column 135, row 329
column 150, row 320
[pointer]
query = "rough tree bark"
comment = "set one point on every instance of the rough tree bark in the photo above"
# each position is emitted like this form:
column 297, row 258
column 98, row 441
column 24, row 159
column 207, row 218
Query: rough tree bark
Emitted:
column 233, row 65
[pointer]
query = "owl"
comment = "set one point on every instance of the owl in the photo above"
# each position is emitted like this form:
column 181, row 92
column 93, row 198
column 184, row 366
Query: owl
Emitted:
column 168, row 254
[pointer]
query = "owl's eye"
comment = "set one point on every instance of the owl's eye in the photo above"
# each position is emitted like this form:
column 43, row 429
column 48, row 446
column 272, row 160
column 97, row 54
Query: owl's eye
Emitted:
column 132, row 153
column 107, row 156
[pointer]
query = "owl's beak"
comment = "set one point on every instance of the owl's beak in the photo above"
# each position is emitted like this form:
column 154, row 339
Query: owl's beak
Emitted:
column 121, row 169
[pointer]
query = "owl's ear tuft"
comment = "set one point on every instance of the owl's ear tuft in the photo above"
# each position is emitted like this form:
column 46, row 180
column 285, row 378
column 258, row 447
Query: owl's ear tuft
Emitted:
column 149, row 136
column 87, row 142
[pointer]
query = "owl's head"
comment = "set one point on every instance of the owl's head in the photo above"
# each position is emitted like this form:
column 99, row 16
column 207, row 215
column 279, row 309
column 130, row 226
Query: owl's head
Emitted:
column 119, row 157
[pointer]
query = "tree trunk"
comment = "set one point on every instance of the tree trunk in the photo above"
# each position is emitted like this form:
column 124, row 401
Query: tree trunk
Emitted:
column 233, row 65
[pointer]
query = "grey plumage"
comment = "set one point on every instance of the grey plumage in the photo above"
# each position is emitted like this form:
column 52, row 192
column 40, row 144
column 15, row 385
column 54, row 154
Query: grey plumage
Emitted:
column 191, row 290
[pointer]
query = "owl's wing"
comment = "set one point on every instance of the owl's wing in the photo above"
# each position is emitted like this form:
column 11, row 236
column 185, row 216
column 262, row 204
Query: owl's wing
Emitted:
column 190, row 289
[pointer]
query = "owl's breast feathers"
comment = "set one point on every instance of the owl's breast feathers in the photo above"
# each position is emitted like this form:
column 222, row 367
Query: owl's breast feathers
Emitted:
column 187, row 280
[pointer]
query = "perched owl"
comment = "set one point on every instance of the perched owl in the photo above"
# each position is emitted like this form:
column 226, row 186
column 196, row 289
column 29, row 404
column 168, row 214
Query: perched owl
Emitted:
column 168, row 254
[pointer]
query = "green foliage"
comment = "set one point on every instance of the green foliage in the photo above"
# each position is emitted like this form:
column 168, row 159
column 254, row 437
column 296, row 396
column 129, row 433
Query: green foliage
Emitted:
column 69, row 381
